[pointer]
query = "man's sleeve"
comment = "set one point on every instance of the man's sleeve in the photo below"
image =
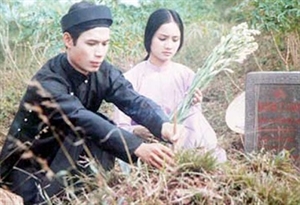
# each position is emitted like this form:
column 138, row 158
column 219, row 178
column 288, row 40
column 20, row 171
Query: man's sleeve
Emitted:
column 141, row 109
column 64, row 108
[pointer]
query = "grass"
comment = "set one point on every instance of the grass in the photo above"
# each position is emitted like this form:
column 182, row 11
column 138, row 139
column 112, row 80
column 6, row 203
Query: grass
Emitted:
column 262, row 178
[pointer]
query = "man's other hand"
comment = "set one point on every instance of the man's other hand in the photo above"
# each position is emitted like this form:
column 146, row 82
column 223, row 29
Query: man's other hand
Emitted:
column 156, row 154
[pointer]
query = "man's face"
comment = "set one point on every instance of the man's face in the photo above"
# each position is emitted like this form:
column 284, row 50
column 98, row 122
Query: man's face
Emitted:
column 90, row 49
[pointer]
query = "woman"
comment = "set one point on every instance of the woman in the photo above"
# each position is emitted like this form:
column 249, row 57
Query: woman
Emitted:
column 166, row 82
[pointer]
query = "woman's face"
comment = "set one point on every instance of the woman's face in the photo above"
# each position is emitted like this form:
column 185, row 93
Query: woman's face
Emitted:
column 165, row 43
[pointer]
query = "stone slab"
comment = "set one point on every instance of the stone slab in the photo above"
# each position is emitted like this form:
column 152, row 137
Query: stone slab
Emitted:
column 272, row 112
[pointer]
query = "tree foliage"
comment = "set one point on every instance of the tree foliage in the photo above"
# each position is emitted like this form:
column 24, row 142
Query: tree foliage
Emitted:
column 38, row 24
column 270, row 15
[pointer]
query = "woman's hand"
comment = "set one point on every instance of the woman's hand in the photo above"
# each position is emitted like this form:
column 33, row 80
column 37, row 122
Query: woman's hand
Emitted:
column 142, row 132
column 175, row 133
column 198, row 97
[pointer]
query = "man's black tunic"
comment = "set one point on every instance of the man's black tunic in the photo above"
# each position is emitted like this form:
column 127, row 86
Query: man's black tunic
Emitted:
column 62, row 107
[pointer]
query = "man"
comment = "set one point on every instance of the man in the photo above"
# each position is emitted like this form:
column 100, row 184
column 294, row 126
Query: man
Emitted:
column 57, row 122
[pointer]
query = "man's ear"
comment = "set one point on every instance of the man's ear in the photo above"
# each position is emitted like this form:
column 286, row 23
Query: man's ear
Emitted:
column 68, row 41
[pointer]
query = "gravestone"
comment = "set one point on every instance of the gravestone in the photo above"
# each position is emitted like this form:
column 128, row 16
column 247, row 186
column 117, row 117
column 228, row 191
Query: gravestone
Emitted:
column 272, row 112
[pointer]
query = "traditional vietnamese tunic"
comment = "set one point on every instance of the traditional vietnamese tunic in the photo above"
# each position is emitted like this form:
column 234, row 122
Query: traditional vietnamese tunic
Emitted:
column 167, row 87
column 68, row 102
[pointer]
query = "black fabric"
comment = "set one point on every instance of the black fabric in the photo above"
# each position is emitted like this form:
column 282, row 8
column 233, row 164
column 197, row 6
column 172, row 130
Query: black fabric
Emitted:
column 24, row 185
column 99, row 15
column 61, row 107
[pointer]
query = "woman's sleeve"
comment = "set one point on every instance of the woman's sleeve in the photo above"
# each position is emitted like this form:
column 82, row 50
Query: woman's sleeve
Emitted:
column 189, row 77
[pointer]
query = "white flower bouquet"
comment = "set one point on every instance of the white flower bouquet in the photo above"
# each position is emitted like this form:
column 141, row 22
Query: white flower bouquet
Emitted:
column 235, row 47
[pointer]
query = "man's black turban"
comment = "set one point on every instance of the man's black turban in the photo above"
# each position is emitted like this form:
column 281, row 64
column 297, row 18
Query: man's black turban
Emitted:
column 94, row 15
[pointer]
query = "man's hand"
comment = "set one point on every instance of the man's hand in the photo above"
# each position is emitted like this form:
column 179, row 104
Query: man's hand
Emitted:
column 175, row 133
column 156, row 155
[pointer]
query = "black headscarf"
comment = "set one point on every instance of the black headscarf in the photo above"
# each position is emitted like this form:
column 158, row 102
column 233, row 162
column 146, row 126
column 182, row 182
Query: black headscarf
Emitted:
column 93, row 15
